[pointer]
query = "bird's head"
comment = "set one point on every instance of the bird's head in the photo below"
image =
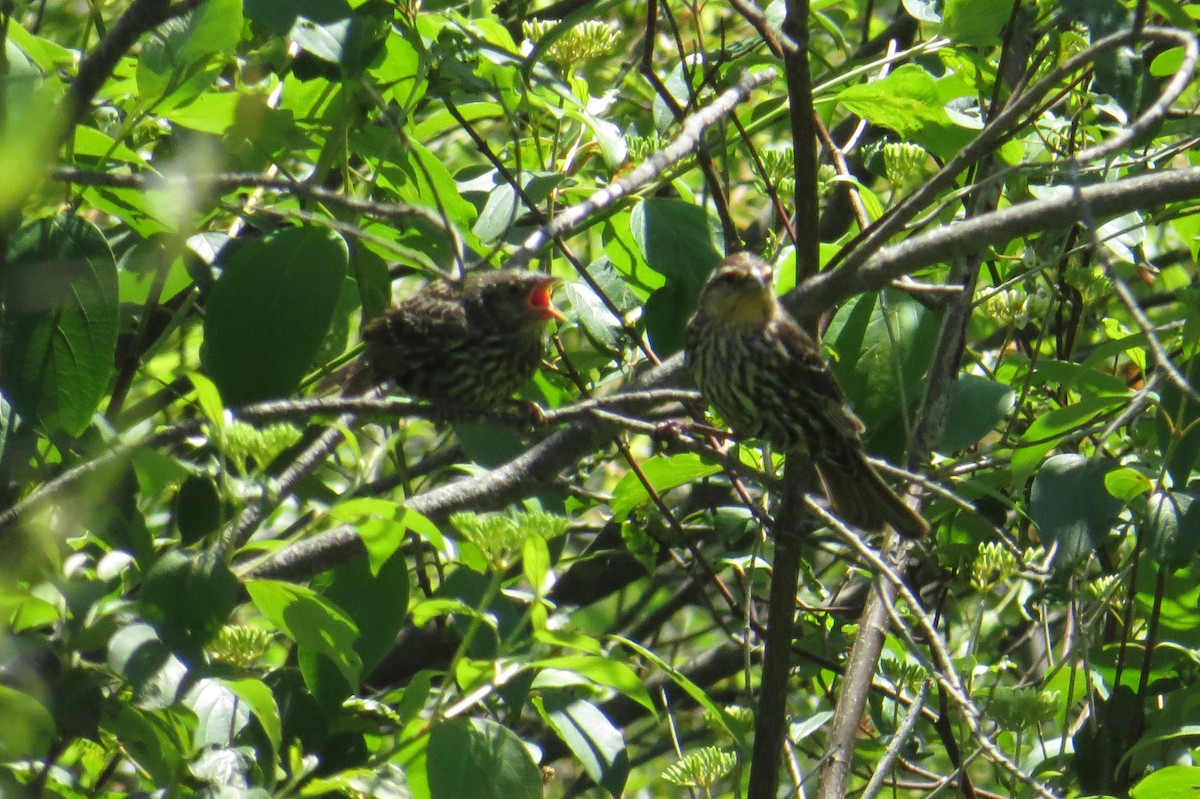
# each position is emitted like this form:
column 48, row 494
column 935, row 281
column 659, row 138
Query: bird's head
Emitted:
column 514, row 297
column 740, row 292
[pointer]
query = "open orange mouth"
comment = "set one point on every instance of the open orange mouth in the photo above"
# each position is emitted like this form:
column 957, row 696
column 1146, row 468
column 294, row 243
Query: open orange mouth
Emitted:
column 541, row 304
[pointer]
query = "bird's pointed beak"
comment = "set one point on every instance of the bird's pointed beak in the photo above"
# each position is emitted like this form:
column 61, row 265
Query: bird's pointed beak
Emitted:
column 541, row 304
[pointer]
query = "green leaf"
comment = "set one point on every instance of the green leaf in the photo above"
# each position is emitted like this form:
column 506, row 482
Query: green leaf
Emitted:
column 261, row 701
column 148, row 741
column 912, row 102
column 215, row 28
column 1179, row 418
column 198, row 510
column 535, row 562
column 976, row 406
column 310, row 621
column 182, row 58
column 1127, row 483
column 382, row 525
column 31, row 103
column 697, row 693
column 59, row 333
column 595, row 741
column 604, row 671
column 680, row 241
column 28, row 727
column 375, row 600
column 1169, row 782
column 156, row 676
column 1048, row 429
column 1071, row 506
column 903, row 101
column 269, row 311
column 1172, row 532
column 663, row 474
column 975, row 22
column 880, row 359
column 220, row 713
column 623, row 249
column 188, row 598
column 480, row 759
column 1077, row 377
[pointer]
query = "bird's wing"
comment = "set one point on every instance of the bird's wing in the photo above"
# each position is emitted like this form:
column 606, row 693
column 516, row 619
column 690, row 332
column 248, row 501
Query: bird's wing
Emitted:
column 824, row 392
column 425, row 319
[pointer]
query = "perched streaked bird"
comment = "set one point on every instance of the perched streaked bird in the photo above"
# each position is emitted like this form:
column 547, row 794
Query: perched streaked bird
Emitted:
column 767, row 379
column 464, row 346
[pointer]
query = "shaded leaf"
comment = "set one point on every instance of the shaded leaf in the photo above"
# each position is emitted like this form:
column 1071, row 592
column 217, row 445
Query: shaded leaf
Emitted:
column 592, row 738
column 479, row 759
column 59, row 334
column 269, row 311
column 1071, row 506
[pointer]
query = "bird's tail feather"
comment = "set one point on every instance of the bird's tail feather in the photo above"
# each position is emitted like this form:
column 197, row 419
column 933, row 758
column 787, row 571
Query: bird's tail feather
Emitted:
column 860, row 496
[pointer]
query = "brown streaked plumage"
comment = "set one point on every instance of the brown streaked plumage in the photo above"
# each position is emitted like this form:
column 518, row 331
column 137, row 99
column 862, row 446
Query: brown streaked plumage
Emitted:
column 767, row 379
column 465, row 346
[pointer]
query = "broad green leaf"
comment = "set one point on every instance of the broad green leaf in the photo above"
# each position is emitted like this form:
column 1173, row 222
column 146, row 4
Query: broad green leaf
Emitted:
column 624, row 252
column 95, row 143
column 912, row 102
column 976, row 406
column 603, row 671
column 1081, row 378
column 198, row 509
column 535, row 562
column 402, row 73
column 903, row 101
column 149, row 741
column 47, row 55
column 568, row 639
column 975, row 22
column 480, row 759
column 880, row 359
column 376, row 600
column 59, row 329
column 680, row 241
column 1177, row 425
column 1169, row 782
column 147, row 665
column 417, row 176
column 214, row 29
column 188, row 597
column 220, row 713
column 1126, row 483
column 1071, row 506
column 209, row 113
column 208, row 397
column 310, row 621
column 30, row 102
column 595, row 741
column 1049, row 428
column 262, row 704
column 429, row 609
column 28, row 728
column 697, row 693
column 382, row 525
column 663, row 474
column 141, row 209
column 1173, row 528
column 269, row 311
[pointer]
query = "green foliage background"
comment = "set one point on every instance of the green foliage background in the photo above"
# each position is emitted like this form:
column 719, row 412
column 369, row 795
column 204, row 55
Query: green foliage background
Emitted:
column 204, row 201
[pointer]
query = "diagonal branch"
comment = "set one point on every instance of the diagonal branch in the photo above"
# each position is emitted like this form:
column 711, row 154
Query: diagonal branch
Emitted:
column 657, row 163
